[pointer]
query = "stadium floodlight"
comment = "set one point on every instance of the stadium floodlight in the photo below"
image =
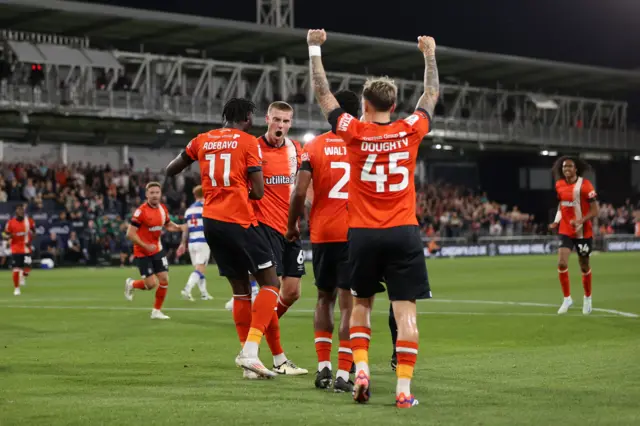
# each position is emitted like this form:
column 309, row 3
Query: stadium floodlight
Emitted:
column 542, row 102
column 178, row 132
column 447, row 147
column 161, row 130
column 637, row 158
column 545, row 152
column 553, row 153
column 308, row 137
column 438, row 146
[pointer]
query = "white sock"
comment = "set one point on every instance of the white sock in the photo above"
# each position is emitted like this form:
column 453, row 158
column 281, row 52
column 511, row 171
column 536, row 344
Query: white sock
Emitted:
column 362, row 366
column 323, row 364
column 280, row 359
column 250, row 349
column 403, row 386
column 344, row 374
column 194, row 278
column 202, row 286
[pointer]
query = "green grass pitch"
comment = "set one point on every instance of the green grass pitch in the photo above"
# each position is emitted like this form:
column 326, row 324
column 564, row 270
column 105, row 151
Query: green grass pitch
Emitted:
column 73, row 351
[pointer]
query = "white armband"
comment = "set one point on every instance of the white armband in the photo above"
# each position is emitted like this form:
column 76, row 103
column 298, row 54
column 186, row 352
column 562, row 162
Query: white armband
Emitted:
column 314, row 51
column 558, row 217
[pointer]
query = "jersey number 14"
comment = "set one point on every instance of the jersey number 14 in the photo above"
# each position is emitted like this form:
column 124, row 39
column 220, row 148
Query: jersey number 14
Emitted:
column 226, row 171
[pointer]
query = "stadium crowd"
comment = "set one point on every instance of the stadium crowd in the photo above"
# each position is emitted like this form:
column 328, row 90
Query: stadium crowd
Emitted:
column 85, row 210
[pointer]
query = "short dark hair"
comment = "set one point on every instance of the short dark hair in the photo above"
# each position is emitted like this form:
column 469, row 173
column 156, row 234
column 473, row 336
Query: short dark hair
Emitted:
column 349, row 102
column 581, row 166
column 237, row 110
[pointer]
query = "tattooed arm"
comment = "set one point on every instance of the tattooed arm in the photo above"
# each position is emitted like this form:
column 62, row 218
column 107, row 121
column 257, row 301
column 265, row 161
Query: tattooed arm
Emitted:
column 321, row 87
column 429, row 98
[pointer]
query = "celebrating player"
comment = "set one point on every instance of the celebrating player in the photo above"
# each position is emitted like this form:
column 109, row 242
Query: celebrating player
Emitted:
column 145, row 231
column 384, row 238
column 19, row 230
column 231, row 173
column 324, row 160
column 578, row 205
column 281, row 161
column 199, row 252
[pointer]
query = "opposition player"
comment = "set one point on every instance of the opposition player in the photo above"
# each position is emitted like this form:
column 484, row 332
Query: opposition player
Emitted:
column 193, row 237
column 20, row 230
column 145, row 231
column 281, row 161
column 325, row 162
column 578, row 205
column 384, row 237
column 231, row 173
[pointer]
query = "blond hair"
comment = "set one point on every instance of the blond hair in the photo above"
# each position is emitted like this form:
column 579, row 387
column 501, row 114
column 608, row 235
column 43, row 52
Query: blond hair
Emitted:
column 197, row 191
column 280, row 106
column 153, row 184
column 380, row 92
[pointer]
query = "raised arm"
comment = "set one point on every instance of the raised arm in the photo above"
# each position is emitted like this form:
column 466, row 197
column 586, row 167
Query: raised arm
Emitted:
column 429, row 98
column 326, row 100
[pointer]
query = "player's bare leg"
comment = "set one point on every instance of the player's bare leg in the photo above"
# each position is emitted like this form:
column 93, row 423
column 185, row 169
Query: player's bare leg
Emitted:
column 563, row 274
column 585, row 267
column 345, row 355
column 255, row 288
column 360, row 335
column 262, row 312
column 393, row 328
column 406, row 349
column 289, row 294
column 323, row 337
column 282, row 364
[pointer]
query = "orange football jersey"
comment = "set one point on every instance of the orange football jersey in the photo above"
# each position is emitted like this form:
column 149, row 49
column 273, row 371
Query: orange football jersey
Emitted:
column 575, row 200
column 326, row 158
column 21, row 232
column 150, row 222
column 383, row 159
column 279, row 166
column 226, row 157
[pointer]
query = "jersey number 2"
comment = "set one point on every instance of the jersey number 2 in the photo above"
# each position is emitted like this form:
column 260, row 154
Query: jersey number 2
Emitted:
column 211, row 158
column 380, row 177
column 336, row 191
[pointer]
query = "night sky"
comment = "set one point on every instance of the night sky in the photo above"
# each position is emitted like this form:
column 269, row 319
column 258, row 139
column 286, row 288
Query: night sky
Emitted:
column 596, row 32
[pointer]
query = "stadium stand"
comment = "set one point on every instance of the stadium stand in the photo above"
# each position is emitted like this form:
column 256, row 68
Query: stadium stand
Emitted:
column 119, row 86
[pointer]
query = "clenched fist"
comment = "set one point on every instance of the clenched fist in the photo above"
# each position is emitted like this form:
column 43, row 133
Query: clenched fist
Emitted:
column 316, row 37
column 426, row 44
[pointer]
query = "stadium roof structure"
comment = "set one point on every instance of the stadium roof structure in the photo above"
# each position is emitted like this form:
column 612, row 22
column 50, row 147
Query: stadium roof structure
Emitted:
column 342, row 52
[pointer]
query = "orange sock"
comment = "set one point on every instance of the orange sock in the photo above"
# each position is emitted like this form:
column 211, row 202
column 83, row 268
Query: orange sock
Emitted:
column 586, row 283
column 139, row 284
column 564, row 282
column 26, row 271
column 407, row 355
column 272, row 335
column 323, row 340
column 282, row 308
column 161, row 293
column 242, row 315
column 261, row 316
column 360, row 338
column 345, row 356
column 16, row 278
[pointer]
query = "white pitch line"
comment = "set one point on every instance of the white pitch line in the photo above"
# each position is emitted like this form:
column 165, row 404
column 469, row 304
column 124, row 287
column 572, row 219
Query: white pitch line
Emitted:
column 385, row 312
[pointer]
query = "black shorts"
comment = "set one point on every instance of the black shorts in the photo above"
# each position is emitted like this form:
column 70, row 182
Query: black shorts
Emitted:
column 21, row 260
column 237, row 250
column 288, row 256
column 583, row 246
column 330, row 266
column 152, row 265
column 393, row 255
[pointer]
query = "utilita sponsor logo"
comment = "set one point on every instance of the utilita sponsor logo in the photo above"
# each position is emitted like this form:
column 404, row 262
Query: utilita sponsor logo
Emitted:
column 280, row 180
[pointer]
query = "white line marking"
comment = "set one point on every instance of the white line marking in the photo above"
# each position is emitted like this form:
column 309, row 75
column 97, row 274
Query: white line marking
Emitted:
column 306, row 311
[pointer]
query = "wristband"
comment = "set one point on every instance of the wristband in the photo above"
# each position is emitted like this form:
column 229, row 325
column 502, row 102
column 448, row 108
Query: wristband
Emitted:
column 314, row 51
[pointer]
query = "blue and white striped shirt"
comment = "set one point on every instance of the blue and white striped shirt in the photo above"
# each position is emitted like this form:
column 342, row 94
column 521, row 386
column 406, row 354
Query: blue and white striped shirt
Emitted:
column 193, row 216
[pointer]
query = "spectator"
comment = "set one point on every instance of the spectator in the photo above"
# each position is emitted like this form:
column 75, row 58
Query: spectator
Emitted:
column 74, row 249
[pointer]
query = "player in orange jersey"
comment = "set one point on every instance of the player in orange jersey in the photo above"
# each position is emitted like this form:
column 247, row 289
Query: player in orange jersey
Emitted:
column 231, row 173
column 145, row 232
column 325, row 162
column 578, row 205
column 20, row 230
column 280, row 164
column 384, row 237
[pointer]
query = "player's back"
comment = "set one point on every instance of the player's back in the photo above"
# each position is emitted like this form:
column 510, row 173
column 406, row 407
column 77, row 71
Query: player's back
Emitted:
column 226, row 157
column 193, row 217
column 383, row 160
column 326, row 155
